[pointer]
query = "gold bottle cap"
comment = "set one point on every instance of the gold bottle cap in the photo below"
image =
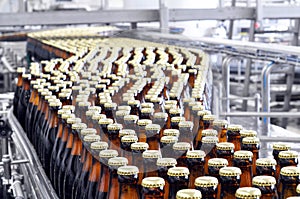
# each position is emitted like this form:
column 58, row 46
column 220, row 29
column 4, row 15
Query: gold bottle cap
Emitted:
column 67, row 115
column 178, row 171
column 195, row 154
column 220, row 123
column 129, row 138
column 203, row 112
column 100, row 145
column 144, row 122
column 90, row 113
column 117, row 161
column 79, row 126
column 169, row 106
column 156, row 99
column 210, row 140
column 234, row 127
column 206, row 181
column 147, row 105
column 124, row 132
column 147, row 110
column 209, row 132
column 53, row 88
column 152, row 127
column 97, row 116
column 122, row 113
column 73, row 120
column 131, row 118
column 91, row 138
column 248, row 133
column 177, row 119
column 217, row 162
column 185, row 124
column 160, row 115
column 69, row 107
column 242, row 154
column 128, row 170
column 171, row 132
column 230, row 171
column 27, row 76
column 263, row 180
column 198, row 107
column 62, row 111
column 106, row 121
column 21, row 70
column 114, row 127
column 250, row 140
column 76, row 88
column 133, row 102
column 175, row 111
column 266, row 162
column 139, row 146
column 298, row 188
column 225, row 146
column 188, row 194
column 95, row 108
column 288, row 154
column 125, row 108
column 55, row 104
column 108, row 153
column 63, row 95
column 209, row 117
column 188, row 100
column 152, row 182
column 248, row 192
column 168, row 139
column 88, row 131
column 281, row 146
column 152, row 154
column 165, row 162
column 182, row 146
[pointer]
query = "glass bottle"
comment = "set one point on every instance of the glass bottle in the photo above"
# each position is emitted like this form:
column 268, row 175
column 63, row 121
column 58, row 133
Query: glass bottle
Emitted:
column 208, row 186
column 277, row 147
column 195, row 161
column 126, row 142
column 267, row 186
column 175, row 120
column 179, row 150
column 247, row 133
column 135, row 107
column 243, row 160
column 146, row 113
column 33, row 87
column 23, row 99
column 252, row 144
column 208, row 121
column 152, row 134
column 178, row 178
column 230, row 181
column 198, row 131
column 188, row 194
column 103, row 128
column 20, row 72
column 166, row 145
column 171, row 132
column 150, row 158
column 225, row 150
column 153, row 188
column 298, row 189
column 209, row 147
column 128, row 178
column 161, row 119
column 141, row 132
column 120, row 115
column 113, row 135
column 206, row 133
column 286, row 158
column 186, row 131
column 266, row 166
column 248, row 193
column 234, row 136
column 130, row 121
column 221, row 127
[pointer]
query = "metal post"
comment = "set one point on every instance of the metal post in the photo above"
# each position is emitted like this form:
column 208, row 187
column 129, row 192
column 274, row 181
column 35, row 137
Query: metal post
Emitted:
column 164, row 16
column 230, row 33
column 295, row 41
column 257, row 107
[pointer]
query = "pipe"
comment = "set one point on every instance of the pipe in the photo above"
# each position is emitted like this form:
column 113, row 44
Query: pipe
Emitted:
column 262, row 114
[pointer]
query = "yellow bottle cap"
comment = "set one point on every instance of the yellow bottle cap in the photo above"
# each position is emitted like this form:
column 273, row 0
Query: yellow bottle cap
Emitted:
column 230, row 171
column 128, row 170
column 263, row 180
column 248, row 192
column 206, row 181
column 152, row 154
column 217, row 162
column 139, row 146
column 178, row 171
column 100, row 145
column 165, row 162
column 188, row 194
column 195, row 154
column 153, row 182
column 266, row 162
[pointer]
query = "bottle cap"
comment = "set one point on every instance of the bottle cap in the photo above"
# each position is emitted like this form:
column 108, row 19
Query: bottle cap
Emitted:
column 281, row 146
column 133, row 103
column 91, row 138
column 248, row 133
column 152, row 127
column 230, row 171
column 106, row 121
column 129, row 138
column 263, row 180
column 220, row 123
column 234, row 127
column 152, row 182
column 165, row 162
column 206, row 181
column 88, row 131
column 209, row 132
column 188, row 100
column 171, row 132
column 293, row 197
column 168, row 139
column 139, row 146
column 147, row 105
column 197, row 108
column 69, row 107
column 242, row 154
column 177, row 119
column 188, row 194
column 175, row 111
column 62, row 111
column 67, row 115
column 288, row 154
column 195, row 154
column 110, row 105
column 144, row 122
column 55, row 104
column 209, row 117
column 298, row 188
column 117, row 161
column 147, row 110
column 217, row 162
column 250, row 140
column 90, row 113
column 128, row 170
column 266, row 162
column 124, row 132
column 203, row 112
column 160, row 115
column 108, row 153
column 152, row 154
column 133, row 118
column 182, row 146
column 79, row 126
column 97, row 116
column 125, row 108
column 225, row 146
column 185, row 124
column 122, row 113
column 178, row 171
column 100, row 145
column 95, row 108
column 114, row 127
column 290, row 171
column 248, row 192
column 210, row 140
column 73, row 120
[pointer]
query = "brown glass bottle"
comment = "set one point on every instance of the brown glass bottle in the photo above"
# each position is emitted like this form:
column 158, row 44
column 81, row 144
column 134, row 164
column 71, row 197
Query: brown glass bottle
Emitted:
column 33, row 94
column 23, row 99
column 161, row 119
column 248, row 193
column 225, row 150
column 267, row 186
column 130, row 122
column 20, row 71
column 120, row 115
column 178, row 178
column 234, row 136
column 286, row 158
column 206, row 133
column 166, row 145
column 209, row 147
column 195, row 162
column 298, row 189
column 179, row 152
column 221, row 127
column 175, row 120
column 113, row 135
column 243, row 160
column 135, row 107
column 266, row 166
column 230, row 181
column 128, row 178
column 103, row 128
column 208, row 186
column 247, row 133
column 186, row 131
column 153, row 188
column 277, row 147
column 188, row 194
column 198, row 131
column 252, row 144
column 141, row 131
column 152, row 134
column 208, row 121
column 150, row 158
column 126, row 142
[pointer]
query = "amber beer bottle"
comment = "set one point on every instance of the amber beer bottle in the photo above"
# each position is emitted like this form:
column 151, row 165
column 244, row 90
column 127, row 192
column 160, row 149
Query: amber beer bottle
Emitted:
column 286, row 158
column 248, row 193
column 198, row 132
column 230, row 181
column 188, row 194
column 252, row 144
column 113, row 188
column 247, row 133
column 267, row 186
column 113, row 135
column 234, row 136
column 186, row 131
column 208, row 121
column 208, row 186
column 209, row 147
column 221, row 127
column 178, row 178
column 153, row 188
column 128, row 178
column 126, row 142
column 175, row 121
column 225, row 150
column 195, row 162
column 141, row 132
column 103, row 126
column 298, row 190
column 278, row 147
column 23, row 99
column 166, row 145
column 243, row 160
column 180, row 149
column 160, row 118
column 266, row 166
column 288, row 181
column 152, row 134
column 20, row 71
column 150, row 158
